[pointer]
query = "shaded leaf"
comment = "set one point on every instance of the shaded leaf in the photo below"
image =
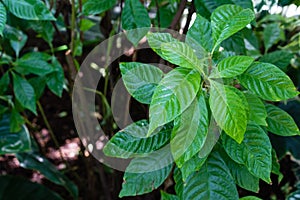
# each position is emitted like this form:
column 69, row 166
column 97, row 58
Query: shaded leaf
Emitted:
column 93, row 7
column 17, row 38
column 38, row 84
column 166, row 196
column 280, row 58
column 16, row 121
column 271, row 35
column 276, row 166
column 56, row 79
column 2, row 18
column 192, row 165
column 4, row 82
column 34, row 66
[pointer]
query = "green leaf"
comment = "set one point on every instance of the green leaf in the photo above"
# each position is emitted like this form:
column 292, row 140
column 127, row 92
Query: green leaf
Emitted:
column 280, row 122
column 14, row 187
column 134, row 20
column 226, row 20
column 140, row 177
column 155, row 41
column 166, row 196
column 166, row 14
column 44, row 29
column 34, row 161
column 200, row 32
column 268, row 82
column 24, row 93
column 94, row 7
column 228, row 110
column 56, row 79
column 38, row 84
column 213, row 181
column 29, row 9
column 4, row 82
column 192, row 165
column 254, row 152
column 250, row 198
column 232, row 66
column 16, row 38
column 257, row 110
column 276, row 166
column 173, row 95
column 271, row 35
column 140, row 80
column 13, row 142
column 2, row 18
column 235, row 43
column 86, row 24
column 179, row 184
column 34, row 66
column 280, row 58
column 16, row 121
column 132, row 141
column 190, row 131
column 180, row 54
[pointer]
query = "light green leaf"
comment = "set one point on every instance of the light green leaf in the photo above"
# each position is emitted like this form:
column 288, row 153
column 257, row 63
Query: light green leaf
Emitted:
column 268, row 82
column 200, row 33
column 166, row 196
column 135, row 19
column 232, row 66
column 271, row 35
column 257, row 110
column 192, row 165
column 280, row 58
column 140, row 80
column 132, row 141
column 173, row 95
column 24, row 93
column 155, row 41
column 4, row 82
column 228, row 110
column 34, row 66
column 86, row 24
column 228, row 19
column 190, row 131
column 213, row 181
column 29, row 9
column 2, row 18
column 56, row 79
column 254, row 152
column 13, row 142
column 280, row 122
column 94, row 7
column 250, row 198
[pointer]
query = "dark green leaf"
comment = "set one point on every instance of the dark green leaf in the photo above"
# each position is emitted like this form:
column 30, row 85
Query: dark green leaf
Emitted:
column 280, row 123
column 166, row 196
column 192, row 165
column 140, row 80
column 271, row 35
column 29, row 9
column 16, row 38
column 268, row 82
column 24, row 93
column 4, row 82
column 56, row 80
column 257, row 110
column 173, row 95
column 2, row 18
column 166, row 15
column 38, row 84
column 155, row 41
column 179, row 184
column 34, row 66
column 276, row 166
column 13, row 142
column 235, row 43
column 16, row 121
column 280, row 58
column 254, row 152
column 93, row 7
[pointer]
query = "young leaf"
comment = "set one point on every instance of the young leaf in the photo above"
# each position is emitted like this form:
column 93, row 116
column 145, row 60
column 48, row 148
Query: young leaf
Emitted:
column 228, row 19
column 280, row 122
column 29, row 9
column 56, row 79
column 132, row 141
column 232, row 66
column 140, row 80
column 257, row 110
column 254, row 152
column 268, row 82
column 271, row 35
column 24, row 93
column 190, row 131
column 135, row 19
column 155, row 41
column 228, row 110
column 200, row 32
column 94, row 7
column 213, row 181
column 2, row 18
column 173, row 95
column 34, row 66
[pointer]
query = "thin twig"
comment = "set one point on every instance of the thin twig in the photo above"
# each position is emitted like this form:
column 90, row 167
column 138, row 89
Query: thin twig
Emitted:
column 178, row 14
column 189, row 17
column 73, row 26
column 157, row 12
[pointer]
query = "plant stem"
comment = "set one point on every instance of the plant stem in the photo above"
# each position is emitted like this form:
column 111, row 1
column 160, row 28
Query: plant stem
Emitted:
column 73, row 26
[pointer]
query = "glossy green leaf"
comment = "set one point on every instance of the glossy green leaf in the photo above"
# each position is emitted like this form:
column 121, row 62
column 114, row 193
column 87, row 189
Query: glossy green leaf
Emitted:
column 155, row 41
column 24, row 93
column 200, row 32
column 235, row 43
column 56, row 79
column 135, row 19
column 179, row 184
column 254, row 152
column 34, row 161
column 29, row 9
column 141, row 177
column 213, row 181
column 38, row 84
column 13, row 142
column 268, row 82
column 250, row 198
column 4, row 82
column 228, row 109
column 93, row 7
column 280, row 58
column 232, row 66
column 271, row 35
column 179, row 53
column 257, row 110
column 280, row 122
column 14, row 187
column 34, row 66
column 140, row 80
column 166, row 196
column 2, row 18
column 226, row 20
column 132, row 141
column 192, row 165
column 190, row 131
column 173, row 95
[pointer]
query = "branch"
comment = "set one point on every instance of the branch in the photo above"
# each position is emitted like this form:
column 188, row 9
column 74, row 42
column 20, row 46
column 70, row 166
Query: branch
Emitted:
column 178, row 14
